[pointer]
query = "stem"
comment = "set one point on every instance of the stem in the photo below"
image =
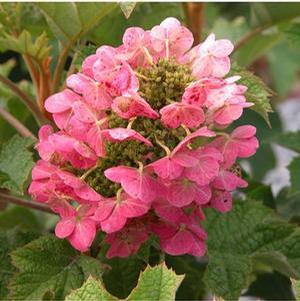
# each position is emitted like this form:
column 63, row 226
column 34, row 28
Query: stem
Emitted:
column 25, row 99
column 247, row 37
column 7, row 198
column 60, row 67
column 16, row 124
column 194, row 12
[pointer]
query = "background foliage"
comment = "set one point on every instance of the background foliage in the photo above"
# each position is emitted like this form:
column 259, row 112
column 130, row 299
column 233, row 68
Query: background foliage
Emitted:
column 254, row 250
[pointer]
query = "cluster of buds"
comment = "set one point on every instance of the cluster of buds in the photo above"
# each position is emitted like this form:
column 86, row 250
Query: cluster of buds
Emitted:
column 143, row 144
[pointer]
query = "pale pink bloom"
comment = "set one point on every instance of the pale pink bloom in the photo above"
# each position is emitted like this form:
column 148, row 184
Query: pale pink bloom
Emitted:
column 79, row 228
column 196, row 93
column 117, row 75
column 170, row 38
column 183, row 236
column 172, row 166
column 124, row 134
column 113, row 213
column 227, row 180
column 136, row 47
column 226, row 104
column 241, row 143
column 61, row 106
column 87, row 65
column 207, row 167
column 127, row 241
column 132, row 105
column 177, row 114
column 138, row 184
column 183, row 192
column 221, row 201
column 211, row 58
column 92, row 92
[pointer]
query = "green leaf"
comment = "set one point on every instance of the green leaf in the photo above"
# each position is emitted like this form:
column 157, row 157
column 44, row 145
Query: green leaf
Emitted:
column 294, row 169
column 21, row 217
column 16, row 161
column 156, row 283
column 9, row 241
column 23, row 44
column 265, row 32
column 49, row 264
column 289, row 140
column 292, row 34
column 258, row 92
column 248, row 240
column 127, row 8
column 70, row 21
column 92, row 289
column 296, row 287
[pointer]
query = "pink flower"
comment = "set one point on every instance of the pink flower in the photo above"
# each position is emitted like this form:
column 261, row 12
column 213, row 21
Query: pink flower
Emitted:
column 87, row 65
column 196, row 93
column 183, row 192
column 137, row 183
column 221, row 201
column 132, row 105
column 127, row 241
column 117, row 75
column 112, row 213
column 78, row 227
column 227, row 103
column 241, row 143
column 60, row 148
column 170, row 38
column 61, row 106
column 135, row 48
column 122, row 134
column 177, row 114
column 91, row 91
column 211, row 58
column 227, row 180
column 183, row 236
column 172, row 166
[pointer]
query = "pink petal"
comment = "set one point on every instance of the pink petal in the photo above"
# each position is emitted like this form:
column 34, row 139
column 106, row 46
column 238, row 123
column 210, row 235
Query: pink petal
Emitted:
column 65, row 227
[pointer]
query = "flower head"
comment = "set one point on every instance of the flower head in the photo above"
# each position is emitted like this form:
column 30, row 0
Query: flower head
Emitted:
column 139, row 150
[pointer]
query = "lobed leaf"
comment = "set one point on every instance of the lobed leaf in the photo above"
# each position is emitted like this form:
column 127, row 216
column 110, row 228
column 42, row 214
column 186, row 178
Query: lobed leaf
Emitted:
column 294, row 169
column 289, row 140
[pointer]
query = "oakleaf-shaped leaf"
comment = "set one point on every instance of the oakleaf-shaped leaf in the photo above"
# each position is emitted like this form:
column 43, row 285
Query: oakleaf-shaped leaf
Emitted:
column 92, row 289
column 258, row 92
column 239, row 243
column 156, row 283
column 50, row 264
column 16, row 162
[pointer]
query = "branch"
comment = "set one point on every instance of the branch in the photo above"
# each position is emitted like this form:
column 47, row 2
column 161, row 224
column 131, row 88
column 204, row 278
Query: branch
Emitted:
column 247, row 37
column 59, row 68
column 7, row 198
column 16, row 124
column 25, row 99
column 194, row 12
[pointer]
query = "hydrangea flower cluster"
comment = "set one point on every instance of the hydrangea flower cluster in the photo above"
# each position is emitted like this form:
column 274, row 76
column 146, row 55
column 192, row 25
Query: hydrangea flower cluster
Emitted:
column 143, row 145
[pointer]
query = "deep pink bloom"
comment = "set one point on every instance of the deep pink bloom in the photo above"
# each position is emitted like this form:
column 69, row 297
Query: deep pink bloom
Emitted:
column 183, row 236
column 117, row 75
column 92, row 92
column 61, row 106
column 132, row 105
column 112, row 213
column 177, row 114
column 78, row 227
column 138, row 184
column 221, row 201
column 227, row 180
column 127, row 241
column 170, row 38
column 241, row 143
